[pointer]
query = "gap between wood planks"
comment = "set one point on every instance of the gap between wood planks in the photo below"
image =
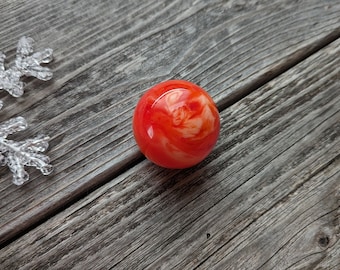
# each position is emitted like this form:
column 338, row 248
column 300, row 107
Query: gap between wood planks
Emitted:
column 103, row 178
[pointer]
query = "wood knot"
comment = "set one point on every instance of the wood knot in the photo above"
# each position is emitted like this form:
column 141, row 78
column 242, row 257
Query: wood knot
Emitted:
column 323, row 240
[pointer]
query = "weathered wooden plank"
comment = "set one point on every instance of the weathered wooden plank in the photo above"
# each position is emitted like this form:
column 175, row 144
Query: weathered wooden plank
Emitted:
column 301, row 240
column 108, row 53
column 267, row 197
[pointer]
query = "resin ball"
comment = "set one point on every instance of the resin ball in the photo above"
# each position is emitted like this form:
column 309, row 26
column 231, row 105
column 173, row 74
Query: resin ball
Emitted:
column 176, row 124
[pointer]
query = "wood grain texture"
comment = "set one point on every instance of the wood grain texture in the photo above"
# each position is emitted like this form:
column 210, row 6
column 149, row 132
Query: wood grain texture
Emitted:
column 108, row 53
column 268, row 197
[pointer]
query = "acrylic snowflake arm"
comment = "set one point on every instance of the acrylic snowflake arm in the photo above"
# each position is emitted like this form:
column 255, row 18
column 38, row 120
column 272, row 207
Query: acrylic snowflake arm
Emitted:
column 10, row 79
column 25, row 46
column 30, row 148
column 28, row 63
column 12, row 126
column 20, row 176
column 17, row 155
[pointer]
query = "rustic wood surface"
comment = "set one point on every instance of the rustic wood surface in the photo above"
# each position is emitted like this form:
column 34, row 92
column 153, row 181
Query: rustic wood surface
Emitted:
column 268, row 196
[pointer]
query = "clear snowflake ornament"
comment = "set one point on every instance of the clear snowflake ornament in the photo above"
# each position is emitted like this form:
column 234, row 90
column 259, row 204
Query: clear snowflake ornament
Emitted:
column 27, row 63
column 17, row 155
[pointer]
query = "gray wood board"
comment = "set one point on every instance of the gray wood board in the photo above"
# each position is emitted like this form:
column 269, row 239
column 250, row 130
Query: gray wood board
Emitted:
column 108, row 53
column 268, row 197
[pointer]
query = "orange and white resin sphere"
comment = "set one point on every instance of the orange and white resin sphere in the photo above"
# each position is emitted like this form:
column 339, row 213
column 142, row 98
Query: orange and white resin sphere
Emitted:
column 176, row 124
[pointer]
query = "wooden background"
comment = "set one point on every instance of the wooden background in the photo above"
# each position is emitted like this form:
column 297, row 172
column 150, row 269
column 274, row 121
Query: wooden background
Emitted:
column 268, row 196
